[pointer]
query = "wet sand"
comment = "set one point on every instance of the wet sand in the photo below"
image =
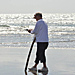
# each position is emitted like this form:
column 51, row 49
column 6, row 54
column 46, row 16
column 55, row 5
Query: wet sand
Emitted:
column 59, row 61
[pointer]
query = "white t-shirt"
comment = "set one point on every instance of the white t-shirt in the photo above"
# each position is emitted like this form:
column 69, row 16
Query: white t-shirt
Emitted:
column 41, row 31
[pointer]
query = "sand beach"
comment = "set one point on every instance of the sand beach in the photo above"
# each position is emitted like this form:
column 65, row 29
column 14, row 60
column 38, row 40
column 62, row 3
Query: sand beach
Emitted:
column 60, row 61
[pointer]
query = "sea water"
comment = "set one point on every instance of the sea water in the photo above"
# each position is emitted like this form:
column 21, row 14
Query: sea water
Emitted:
column 61, row 30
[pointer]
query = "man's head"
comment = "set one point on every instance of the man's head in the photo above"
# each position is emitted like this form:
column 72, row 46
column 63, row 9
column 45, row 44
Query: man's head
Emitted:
column 38, row 16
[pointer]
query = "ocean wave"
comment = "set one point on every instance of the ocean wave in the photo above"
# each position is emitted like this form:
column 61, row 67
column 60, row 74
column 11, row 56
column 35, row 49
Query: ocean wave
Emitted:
column 4, row 26
column 15, row 29
column 61, row 29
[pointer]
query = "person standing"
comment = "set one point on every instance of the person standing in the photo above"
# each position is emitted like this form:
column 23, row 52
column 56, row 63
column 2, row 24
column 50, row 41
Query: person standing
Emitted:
column 41, row 35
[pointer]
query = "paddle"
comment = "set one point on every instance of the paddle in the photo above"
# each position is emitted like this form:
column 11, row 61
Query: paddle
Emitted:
column 29, row 54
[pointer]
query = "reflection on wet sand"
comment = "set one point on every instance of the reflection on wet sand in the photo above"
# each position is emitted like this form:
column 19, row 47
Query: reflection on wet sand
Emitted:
column 36, row 73
column 25, row 73
column 44, row 73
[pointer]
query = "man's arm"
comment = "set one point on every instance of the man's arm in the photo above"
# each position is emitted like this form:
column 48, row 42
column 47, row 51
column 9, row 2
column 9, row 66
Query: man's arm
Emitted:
column 36, row 29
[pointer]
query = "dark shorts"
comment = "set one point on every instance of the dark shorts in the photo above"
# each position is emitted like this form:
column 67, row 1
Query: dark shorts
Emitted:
column 40, row 54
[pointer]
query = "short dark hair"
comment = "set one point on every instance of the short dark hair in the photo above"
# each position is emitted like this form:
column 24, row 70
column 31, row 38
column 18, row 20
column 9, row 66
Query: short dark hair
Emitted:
column 38, row 14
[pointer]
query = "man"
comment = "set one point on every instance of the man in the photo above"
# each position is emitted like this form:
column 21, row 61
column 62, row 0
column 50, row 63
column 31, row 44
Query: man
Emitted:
column 41, row 34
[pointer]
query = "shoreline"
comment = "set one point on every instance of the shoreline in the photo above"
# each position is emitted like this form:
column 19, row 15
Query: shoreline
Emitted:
column 36, row 47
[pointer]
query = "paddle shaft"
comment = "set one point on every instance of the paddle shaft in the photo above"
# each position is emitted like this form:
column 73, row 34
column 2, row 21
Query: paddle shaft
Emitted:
column 29, row 54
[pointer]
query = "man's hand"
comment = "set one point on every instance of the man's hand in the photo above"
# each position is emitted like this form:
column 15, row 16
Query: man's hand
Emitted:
column 29, row 30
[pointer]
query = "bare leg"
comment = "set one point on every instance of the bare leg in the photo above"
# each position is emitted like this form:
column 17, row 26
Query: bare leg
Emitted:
column 35, row 65
column 44, row 65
